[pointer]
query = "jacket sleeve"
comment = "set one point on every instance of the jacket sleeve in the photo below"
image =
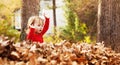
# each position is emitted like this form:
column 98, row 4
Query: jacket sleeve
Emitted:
column 30, row 34
column 46, row 26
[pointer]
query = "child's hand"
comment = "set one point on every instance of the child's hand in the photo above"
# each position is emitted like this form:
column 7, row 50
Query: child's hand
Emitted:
column 45, row 13
column 47, row 16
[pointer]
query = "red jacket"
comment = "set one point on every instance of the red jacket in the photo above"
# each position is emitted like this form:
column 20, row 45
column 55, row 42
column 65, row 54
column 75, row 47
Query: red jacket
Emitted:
column 38, row 37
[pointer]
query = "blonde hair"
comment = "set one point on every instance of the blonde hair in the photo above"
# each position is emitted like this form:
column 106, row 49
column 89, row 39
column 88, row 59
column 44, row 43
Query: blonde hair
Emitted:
column 31, row 20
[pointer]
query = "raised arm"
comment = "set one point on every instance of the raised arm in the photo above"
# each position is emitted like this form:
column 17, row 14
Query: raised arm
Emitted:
column 46, row 26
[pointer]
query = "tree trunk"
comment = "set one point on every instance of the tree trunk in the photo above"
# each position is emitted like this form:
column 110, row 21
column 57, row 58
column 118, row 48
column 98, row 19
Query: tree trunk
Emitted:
column 109, row 23
column 29, row 8
column 54, row 16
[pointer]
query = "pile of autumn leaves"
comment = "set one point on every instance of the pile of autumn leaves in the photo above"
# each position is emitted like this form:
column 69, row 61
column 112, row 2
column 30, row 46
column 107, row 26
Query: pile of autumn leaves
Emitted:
column 63, row 53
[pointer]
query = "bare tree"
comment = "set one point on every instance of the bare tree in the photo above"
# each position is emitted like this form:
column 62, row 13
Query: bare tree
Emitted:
column 109, row 23
column 29, row 8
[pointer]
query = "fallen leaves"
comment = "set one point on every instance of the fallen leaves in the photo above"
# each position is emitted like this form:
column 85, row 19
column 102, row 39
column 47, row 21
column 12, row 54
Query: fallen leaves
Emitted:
column 64, row 53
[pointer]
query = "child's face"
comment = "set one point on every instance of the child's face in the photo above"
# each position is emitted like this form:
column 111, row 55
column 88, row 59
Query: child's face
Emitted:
column 38, row 24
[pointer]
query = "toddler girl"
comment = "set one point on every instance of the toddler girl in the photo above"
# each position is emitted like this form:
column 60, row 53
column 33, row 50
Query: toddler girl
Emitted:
column 37, row 27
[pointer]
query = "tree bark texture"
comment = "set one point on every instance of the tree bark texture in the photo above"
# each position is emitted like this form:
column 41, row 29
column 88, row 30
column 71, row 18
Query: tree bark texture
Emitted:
column 29, row 8
column 108, row 24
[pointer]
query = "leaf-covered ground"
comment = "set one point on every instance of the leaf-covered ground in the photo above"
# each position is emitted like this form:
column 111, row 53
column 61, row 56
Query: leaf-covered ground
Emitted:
column 63, row 53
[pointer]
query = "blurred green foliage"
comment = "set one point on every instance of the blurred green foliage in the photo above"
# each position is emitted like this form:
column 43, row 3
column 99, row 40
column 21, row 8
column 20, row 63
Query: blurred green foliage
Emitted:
column 81, row 18
column 52, row 38
column 86, row 10
column 7, row 30
column 7, row 8
column 75, row 30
